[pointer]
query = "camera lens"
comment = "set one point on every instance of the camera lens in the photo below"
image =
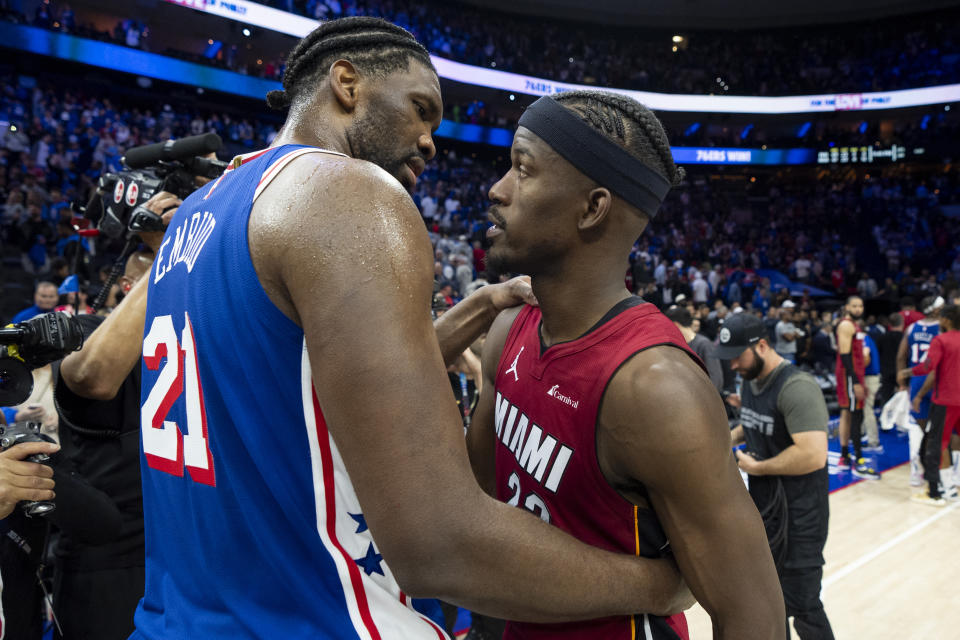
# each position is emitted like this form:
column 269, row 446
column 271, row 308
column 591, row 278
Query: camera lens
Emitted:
column 16, row 382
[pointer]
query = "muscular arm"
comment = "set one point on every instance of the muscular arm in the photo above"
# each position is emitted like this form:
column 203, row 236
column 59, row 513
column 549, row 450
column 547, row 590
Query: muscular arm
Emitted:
column 481, row 442
column 902, row 353
column 110, row 353
column 98, row 370
column 927, row 385
column 348, row 259
column 678, row 449
column 459, row 327
column 807, row 454
column 845, row 333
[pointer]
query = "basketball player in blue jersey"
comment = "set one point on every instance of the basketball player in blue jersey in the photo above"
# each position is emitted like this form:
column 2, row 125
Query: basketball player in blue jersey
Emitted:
column 913, row 350
column 594, row 413
column 304, row 467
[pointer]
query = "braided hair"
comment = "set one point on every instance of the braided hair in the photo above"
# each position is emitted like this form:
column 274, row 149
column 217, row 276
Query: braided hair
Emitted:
column 629, row 123
column 373, row 45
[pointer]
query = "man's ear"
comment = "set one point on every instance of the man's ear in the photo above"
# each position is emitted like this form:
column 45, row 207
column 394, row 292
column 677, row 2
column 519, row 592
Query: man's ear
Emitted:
column 125, row 283
column 599, row 202
column 344, row 81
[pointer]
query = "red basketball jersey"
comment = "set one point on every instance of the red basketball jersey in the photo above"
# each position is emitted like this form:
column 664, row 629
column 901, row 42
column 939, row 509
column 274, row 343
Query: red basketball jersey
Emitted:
column 856, row 351
column 547, row 404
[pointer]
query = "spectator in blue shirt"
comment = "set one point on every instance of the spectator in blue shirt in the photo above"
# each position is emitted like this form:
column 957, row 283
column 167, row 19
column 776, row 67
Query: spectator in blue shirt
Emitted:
column 44, row 299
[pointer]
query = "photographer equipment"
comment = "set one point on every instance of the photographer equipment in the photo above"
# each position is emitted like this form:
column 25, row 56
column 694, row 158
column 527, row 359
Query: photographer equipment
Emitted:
column 32, row 344
column 117, row 206
column 16, row 433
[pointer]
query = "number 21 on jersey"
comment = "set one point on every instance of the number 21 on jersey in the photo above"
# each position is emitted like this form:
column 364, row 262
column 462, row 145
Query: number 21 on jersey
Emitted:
column 170, row 446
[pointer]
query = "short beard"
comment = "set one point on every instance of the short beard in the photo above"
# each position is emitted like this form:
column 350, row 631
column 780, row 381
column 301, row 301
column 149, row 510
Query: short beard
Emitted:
column 756, row 368
column 541, row 259
column 369, row 140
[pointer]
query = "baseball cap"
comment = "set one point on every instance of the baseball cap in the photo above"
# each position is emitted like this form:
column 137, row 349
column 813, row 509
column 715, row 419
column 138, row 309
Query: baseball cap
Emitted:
column 788, row 304
column 738, row 333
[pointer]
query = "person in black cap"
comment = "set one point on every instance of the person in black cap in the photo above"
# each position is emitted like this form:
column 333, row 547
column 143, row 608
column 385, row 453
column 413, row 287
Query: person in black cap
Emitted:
column 784, row 423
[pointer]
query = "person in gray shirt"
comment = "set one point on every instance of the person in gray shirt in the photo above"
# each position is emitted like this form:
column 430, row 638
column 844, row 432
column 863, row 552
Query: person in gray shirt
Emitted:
column 702, row 346
column 787, row 333
column 784, row 424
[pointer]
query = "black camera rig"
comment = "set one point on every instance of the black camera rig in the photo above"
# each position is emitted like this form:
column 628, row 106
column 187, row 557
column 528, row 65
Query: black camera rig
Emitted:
column 117, row 206
column 31, row 344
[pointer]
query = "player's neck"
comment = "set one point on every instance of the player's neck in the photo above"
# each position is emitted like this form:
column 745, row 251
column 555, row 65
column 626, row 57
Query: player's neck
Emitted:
column 571, row 306
column 314, row 134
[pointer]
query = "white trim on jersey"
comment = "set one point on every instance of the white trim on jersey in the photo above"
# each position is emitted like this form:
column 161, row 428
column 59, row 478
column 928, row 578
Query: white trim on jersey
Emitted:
column 278, row 165
column 647, row 631
column 376, row 597
column 3, row 622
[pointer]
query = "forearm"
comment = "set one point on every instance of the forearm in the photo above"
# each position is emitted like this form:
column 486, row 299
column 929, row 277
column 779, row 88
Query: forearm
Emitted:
column 927, row 385
column 725, row 558
column 465, row 322
column 849, row 370
column 792, row 461
column 533, row 586
column 111, row 352
column 736, row 435
column 923, row 368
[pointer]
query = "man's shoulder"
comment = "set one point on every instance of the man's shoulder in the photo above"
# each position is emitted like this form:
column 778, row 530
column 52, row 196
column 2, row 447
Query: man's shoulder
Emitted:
column 26, row 314
column 701, row 343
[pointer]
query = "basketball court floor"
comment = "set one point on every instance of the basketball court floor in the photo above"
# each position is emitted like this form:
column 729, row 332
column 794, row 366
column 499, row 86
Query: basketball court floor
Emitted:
column 892, row 566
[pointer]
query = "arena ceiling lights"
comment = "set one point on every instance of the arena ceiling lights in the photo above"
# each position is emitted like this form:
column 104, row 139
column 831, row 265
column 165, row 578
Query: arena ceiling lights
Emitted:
column 298, row 26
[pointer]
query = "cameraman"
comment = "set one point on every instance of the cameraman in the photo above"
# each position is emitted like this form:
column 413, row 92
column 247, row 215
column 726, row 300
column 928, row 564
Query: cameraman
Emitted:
column 784, row 423
column 82, row 511
column 97, row 586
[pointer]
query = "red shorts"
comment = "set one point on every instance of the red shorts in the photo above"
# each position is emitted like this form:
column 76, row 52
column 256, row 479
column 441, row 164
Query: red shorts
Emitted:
column 951, row 423
column 845, row 395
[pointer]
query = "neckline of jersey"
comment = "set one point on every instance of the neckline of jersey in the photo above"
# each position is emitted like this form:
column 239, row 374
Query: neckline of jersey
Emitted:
column 615, row 310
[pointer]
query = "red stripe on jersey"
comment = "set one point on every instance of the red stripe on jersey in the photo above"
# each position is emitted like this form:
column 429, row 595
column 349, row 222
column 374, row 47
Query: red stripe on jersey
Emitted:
column 326, row 457
column 277, row 163
column 435, row 627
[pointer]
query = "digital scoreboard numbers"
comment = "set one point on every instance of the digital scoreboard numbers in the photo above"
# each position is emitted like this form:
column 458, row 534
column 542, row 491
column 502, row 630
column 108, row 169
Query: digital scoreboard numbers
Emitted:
column 860, row 155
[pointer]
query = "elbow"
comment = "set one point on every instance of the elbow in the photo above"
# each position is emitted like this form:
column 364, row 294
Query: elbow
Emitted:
column 87, row 383
column 423, row 563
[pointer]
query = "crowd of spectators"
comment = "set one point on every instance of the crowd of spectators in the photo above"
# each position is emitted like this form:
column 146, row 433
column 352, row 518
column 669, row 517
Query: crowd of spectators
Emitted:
column 840, row 231
column 882, row 55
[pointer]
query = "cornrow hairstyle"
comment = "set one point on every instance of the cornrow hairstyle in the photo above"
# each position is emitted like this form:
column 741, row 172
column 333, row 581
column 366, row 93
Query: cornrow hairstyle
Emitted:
column 630, row 124
column 373, row 45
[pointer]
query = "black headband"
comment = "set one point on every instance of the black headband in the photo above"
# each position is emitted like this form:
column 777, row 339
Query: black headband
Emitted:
column 595, row 155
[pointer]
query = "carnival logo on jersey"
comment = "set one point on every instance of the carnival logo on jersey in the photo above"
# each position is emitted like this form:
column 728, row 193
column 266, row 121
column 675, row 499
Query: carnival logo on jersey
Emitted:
column 188, row 241
column 554, row 392
column 513, row 367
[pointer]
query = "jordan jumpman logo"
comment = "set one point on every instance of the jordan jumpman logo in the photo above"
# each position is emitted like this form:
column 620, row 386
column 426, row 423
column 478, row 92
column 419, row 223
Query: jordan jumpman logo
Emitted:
column 513, row 367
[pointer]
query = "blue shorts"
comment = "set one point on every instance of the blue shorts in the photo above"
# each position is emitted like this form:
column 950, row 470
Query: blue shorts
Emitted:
column 915, row 383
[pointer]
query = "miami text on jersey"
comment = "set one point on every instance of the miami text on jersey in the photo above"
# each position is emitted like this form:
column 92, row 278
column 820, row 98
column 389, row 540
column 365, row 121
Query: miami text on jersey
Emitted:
column 532, row 448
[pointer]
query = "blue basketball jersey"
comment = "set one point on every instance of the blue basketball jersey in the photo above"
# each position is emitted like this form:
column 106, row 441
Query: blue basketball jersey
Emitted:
column 253, row 529
column 919, row 336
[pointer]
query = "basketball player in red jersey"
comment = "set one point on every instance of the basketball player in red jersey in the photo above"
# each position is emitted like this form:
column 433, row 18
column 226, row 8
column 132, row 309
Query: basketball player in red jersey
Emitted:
column 594, row 413
column 850, row 391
